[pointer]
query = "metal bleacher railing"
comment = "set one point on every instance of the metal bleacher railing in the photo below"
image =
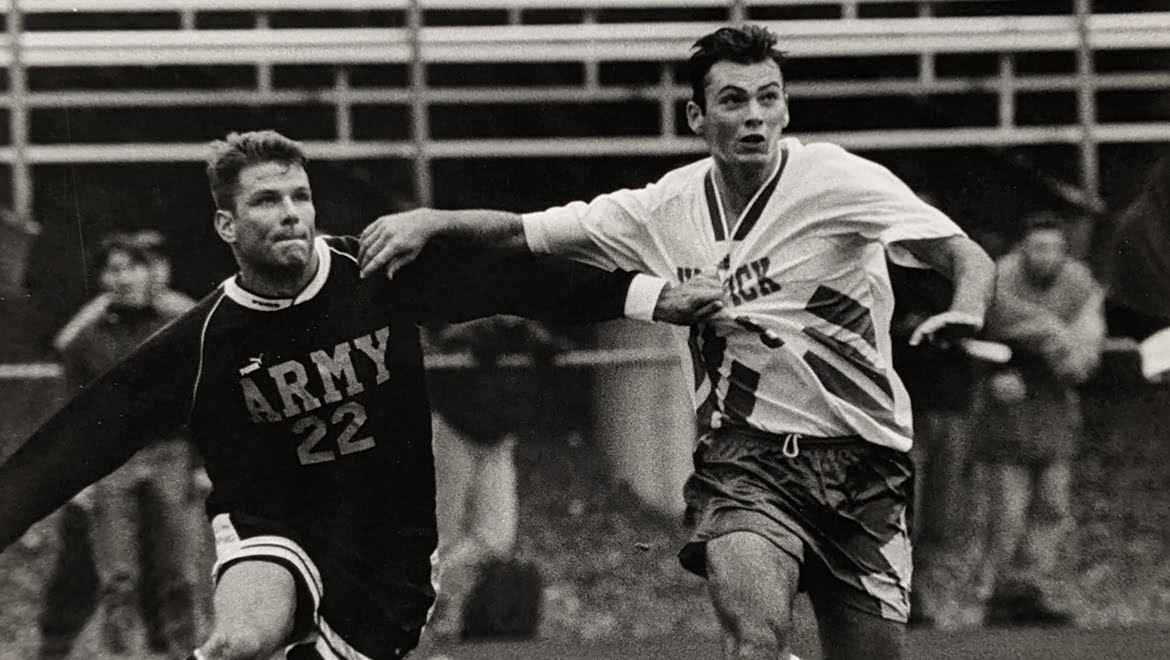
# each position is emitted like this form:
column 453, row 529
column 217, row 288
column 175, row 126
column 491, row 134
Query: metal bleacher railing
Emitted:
column 79, row 41
column 421, row 34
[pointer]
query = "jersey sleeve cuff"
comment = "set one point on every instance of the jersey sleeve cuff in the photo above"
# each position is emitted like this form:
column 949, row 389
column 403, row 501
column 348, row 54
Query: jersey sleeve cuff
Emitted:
column 642, row 297
column 534, row 233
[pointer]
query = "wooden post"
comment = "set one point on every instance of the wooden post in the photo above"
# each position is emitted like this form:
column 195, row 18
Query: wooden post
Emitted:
column 22, row 184
column 420, row 122
column 1087, row 107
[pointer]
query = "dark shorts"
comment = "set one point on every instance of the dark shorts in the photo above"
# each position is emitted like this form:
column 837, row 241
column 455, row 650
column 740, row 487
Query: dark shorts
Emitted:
column 839, row 507
column 339, row 609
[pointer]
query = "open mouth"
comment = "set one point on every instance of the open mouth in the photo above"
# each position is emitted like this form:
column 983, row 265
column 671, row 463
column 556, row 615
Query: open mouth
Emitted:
column 752, row 139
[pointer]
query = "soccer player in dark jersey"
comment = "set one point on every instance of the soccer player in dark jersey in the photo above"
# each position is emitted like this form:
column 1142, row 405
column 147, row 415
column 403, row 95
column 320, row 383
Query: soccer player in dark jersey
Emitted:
column 302, row 385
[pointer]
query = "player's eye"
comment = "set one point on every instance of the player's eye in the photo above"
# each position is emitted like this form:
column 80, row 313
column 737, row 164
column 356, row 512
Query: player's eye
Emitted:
column 731, row 99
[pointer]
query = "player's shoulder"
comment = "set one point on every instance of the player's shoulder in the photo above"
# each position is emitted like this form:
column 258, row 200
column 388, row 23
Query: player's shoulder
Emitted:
column 685, row 175
column 342, row 252
column 345, row 246
column 680, row 182
column 828, row 167
column 825, row 156
column 198, row 313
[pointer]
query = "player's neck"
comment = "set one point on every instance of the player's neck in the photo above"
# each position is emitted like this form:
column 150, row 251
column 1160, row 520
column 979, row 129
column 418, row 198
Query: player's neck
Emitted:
column 738, row 183
column 273, row 282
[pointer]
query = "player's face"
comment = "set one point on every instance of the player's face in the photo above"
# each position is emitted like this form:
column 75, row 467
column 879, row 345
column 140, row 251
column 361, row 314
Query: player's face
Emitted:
column 274, row 220
column 127, row 280
column 746, row 112
column 1044, row 253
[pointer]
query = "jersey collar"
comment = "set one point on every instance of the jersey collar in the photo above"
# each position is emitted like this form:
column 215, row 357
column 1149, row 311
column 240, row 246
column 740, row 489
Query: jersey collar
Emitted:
column 257, row 302
column 751, row 214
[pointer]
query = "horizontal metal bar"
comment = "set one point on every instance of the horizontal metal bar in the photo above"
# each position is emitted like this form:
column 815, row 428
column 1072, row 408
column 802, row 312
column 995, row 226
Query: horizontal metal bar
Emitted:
column 154, row 6
column 602, row 357
column 576, row 42
column 31, row 371
column 604, row 146
column 569, row 94
column 577, row 358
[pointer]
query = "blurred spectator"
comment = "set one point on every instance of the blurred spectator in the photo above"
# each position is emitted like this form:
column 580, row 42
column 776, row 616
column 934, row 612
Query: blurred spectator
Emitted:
column 940, row 382
column 1050, row 310
column 112, row 515
column 165, row 300
column 480, row 413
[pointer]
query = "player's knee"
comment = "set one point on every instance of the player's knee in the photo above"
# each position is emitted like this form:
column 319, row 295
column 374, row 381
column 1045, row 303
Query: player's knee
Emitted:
column 238, row 643
column 751, row 637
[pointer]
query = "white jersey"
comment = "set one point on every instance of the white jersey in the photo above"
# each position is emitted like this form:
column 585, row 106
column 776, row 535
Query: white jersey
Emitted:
column 803, row 268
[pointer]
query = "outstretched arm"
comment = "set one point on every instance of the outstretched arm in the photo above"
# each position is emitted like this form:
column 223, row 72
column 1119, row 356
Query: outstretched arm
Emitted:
column 455, row 283
column 134, row 403
column 971, row 272
column 393, row 241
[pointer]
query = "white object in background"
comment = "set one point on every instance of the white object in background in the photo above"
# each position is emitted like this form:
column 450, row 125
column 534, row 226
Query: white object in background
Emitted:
column 1155, row 353
column 988, row 351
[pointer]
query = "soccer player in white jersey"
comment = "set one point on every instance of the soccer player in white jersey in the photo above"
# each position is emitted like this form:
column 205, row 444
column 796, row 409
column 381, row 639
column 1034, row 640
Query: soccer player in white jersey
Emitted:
column 802, row 479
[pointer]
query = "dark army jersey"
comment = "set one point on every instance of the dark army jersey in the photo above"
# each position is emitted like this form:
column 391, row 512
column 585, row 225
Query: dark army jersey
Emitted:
column 311, row 415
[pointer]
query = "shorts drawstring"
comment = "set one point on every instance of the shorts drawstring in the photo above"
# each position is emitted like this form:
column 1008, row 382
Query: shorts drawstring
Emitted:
column 791, row 445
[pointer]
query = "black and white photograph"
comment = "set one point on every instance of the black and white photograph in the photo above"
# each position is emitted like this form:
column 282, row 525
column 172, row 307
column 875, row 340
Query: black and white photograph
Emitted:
column 584, row 329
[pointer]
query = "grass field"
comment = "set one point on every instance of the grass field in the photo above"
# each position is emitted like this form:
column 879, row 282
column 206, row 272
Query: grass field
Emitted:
column 986, row 644
column 613, row 588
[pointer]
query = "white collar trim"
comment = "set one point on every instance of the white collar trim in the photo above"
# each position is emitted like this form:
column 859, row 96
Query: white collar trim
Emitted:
column 251, row 300
column 729, row 230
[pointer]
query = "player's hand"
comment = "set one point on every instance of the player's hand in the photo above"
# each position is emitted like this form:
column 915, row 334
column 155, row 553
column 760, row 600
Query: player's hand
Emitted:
column 693, row 301
column 943, row 329
column 394, row 240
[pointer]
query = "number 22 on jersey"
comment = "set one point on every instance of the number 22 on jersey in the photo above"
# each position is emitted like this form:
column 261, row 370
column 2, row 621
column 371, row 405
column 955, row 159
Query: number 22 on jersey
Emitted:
column 348, row 419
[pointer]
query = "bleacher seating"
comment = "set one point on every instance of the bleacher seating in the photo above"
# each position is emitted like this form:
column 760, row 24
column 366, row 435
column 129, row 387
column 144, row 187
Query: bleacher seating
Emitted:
column 64, row 55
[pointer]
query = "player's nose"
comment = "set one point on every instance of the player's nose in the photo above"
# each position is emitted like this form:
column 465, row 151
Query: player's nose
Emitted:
column 288, row 210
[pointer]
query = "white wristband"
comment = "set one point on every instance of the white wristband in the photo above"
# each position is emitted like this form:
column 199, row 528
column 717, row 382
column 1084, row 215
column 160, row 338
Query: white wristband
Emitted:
column 642, row 297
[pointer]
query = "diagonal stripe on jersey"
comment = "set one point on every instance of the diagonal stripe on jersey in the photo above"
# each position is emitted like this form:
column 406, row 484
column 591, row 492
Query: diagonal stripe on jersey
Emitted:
column 757, row 209
column 742, row 384
column 843, row 311
column 713, row 208
column 842, row 386
column 855, row 358
column 697, row 364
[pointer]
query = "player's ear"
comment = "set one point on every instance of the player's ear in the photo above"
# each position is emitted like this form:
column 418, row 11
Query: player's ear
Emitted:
column 695, row 118
column 225, row 225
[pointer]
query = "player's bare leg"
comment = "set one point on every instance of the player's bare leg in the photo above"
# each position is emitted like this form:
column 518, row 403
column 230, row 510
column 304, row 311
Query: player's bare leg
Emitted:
column 255, row 604
column 752, row 584
column 847, row 633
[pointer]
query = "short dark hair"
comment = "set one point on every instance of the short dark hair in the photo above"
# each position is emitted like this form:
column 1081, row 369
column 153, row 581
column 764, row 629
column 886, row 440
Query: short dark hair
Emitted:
column 747, row 44
column 128, row 243
column 239, row 150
